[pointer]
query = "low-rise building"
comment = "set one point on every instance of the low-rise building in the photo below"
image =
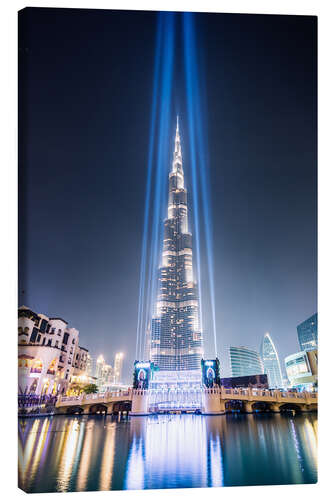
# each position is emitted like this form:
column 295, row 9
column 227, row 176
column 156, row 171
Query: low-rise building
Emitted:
column 302, row 369
column 48, row 353
column 260, row 381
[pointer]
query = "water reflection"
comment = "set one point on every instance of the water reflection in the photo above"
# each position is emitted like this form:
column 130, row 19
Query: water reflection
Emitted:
column 105, row 482
column 99, row 453
column 68, row 449
column 85, row 457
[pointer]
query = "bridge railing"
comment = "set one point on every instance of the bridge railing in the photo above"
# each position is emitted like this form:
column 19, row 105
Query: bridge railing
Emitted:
column 92, row 397
column 253, row 392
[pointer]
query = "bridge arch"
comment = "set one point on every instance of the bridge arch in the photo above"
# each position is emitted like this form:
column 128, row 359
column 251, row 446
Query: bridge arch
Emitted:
column 261, row 406
column 121, row 406
column 233, row 405
column 98, row 409
column 290, row 406
column 72, row 410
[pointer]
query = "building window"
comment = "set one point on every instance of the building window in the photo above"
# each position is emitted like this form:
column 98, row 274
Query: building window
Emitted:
column 65, row 338
column 34, row 335
column 43, row 325
column 49, row 342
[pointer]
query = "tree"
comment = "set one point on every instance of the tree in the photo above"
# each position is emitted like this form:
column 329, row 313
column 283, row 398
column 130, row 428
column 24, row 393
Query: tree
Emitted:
column 90, row 389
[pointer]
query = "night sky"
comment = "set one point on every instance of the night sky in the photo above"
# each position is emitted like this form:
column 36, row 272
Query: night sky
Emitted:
column 85, row 96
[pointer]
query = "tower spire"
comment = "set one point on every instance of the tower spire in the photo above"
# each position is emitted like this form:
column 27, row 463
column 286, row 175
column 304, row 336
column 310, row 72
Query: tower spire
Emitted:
column 177, row 155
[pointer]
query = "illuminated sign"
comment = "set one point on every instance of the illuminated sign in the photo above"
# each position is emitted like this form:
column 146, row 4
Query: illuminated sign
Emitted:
column 142, row 374
column 210, row 370
column 142, row 365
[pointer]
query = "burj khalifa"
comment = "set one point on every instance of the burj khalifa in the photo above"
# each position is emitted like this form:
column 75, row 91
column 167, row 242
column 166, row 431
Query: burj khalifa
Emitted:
column 176, row 335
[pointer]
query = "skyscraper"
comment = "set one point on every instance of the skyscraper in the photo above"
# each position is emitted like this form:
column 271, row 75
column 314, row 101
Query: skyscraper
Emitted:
column 244, row 361
column 308, row 333
column 271, row 362
column 176, row 336
column 118, row 366
column 103, row 372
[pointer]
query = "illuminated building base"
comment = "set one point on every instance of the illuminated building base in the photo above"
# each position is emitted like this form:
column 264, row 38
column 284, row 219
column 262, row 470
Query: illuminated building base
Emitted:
column 156, row 391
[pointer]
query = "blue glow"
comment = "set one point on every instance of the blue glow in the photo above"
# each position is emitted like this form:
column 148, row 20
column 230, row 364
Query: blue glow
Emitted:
column 199, row 157
column 157, row 176
column 148, row 192
column 158, row 167
column 162, row 154
column 188, row 44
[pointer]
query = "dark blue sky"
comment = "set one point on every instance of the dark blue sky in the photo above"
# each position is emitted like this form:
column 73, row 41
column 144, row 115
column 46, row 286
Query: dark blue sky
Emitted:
column 85, row 90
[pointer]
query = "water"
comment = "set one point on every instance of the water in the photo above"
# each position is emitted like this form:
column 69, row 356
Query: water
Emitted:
column 168, row 451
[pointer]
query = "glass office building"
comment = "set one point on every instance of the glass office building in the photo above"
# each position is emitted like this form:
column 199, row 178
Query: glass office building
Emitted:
column 271, row 362
column 308, row 333
column 244, row 361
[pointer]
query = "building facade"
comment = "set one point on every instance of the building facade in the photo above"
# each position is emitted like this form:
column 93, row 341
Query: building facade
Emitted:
column 259, row 381
column 302, row 369
column 307, row 333
column 48, row 353
column 118, row 367
column 271, row 362
column 176, row 336
column 244, row 362
column 104, row 372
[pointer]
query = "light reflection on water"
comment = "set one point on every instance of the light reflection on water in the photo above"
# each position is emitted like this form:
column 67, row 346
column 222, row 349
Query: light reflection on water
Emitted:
column 179, row 451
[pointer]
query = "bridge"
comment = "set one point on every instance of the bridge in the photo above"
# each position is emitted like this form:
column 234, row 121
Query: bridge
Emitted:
column 92, row 404
column 217, row 400
column 249, row 400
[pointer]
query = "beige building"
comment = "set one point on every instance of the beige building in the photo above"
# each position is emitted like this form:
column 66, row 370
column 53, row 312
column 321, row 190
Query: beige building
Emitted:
column 48, row 353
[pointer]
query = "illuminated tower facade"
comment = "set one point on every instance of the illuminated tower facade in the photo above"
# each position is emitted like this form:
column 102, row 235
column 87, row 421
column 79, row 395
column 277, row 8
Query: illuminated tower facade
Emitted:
column 176, row 336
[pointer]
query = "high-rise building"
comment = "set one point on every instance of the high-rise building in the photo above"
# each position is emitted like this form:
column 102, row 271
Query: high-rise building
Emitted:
column 244, row 361
column 176, row 336
column 91, row 365
column 308, row 333
column 271, row 362
column 103, row 373
column 118, row 366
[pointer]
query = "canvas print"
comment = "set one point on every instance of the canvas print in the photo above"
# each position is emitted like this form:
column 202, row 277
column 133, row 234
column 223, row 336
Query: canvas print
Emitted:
column 167, row 315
